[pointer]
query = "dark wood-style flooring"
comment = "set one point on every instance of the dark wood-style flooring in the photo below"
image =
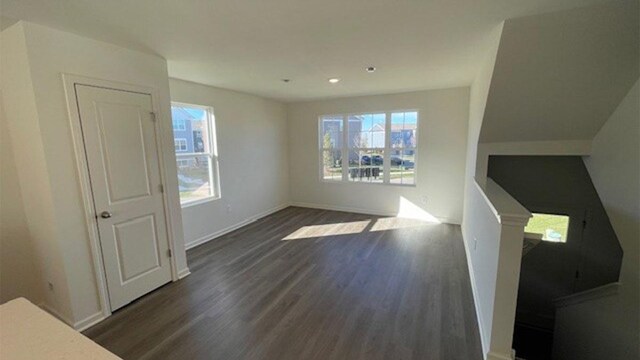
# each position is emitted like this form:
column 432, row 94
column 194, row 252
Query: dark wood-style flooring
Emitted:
column 339, row 286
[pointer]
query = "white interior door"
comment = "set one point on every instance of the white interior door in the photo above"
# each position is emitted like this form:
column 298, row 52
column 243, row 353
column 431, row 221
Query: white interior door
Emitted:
column 118, row 128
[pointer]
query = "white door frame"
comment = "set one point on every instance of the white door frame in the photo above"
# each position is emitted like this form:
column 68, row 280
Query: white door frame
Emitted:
column 69, row 82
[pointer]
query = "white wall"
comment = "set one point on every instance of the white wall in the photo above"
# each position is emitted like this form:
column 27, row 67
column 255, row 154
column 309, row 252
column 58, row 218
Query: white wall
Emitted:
column 20, row 275
column 442, row 132
column 482, row 248
column 475, row 220
column 493, row 248
column 41, row 138
column 559, row 75
column 254, row 159
column 614, row 166
column 477, row 102
column 609, row 327
column 481, row 232
column 21, row 116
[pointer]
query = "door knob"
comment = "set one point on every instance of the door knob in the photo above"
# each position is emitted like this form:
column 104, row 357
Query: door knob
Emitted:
column 105, row 214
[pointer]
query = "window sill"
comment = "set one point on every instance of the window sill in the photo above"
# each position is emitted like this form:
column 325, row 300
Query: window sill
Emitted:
column 199, row 201
column 365, row 183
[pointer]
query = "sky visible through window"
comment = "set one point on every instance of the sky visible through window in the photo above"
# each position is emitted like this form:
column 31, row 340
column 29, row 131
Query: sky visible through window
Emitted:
column 194, row 114
column 398, row 118
column 406, row 118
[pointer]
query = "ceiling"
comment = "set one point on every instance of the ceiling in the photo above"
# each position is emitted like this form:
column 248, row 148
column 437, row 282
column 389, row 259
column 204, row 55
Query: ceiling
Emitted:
column 560, row 76
column 251, row 45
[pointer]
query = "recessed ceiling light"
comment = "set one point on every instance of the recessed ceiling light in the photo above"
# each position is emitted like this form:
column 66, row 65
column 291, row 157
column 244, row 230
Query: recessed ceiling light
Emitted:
column 334, row 80
column 371, row 69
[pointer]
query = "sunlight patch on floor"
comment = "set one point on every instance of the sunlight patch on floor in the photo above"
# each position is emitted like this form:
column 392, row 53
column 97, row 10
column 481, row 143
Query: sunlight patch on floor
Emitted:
column 394, row 223
column 313, row 231
column 409, row 215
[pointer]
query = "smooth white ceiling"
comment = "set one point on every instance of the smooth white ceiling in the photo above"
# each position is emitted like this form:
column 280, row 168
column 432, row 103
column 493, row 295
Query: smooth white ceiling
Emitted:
column 250, row 45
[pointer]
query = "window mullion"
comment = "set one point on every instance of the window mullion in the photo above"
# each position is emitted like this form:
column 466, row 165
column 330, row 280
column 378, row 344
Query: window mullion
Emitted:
column 321, row 147
column 386, row 172
column 213, row 191
column 345, row 148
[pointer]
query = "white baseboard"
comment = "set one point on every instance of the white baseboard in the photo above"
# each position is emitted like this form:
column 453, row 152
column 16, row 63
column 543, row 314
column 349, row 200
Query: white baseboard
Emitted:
column 474, row 290
column 361, row 210
column 183, row 273
column 89, row 321
column 81, row 325
column 209, row 237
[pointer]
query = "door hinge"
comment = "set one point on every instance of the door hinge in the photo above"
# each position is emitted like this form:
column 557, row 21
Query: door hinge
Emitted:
column 161, row 188
column 153, row 116
column 169, row 253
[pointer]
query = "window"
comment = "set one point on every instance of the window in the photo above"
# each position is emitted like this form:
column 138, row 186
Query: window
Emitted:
column 183, row 163
column 377, row 147
column 403, row 147
column 553, row 228
column 196, row 154
column 179, row 125
column 181, row 144
column 366, row 147
column 331, row 148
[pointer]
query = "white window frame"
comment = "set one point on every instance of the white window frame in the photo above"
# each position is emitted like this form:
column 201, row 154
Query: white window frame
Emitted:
column 387, row 148
column 180, row 141
column 182, row 125
column 323, row 149
column 212, row 154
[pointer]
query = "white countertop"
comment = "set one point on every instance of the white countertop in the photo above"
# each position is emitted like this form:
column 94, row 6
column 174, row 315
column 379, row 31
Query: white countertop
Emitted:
column 28, row 332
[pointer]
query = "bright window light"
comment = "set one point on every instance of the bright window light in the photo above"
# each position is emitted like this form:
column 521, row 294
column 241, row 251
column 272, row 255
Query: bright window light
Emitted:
column 196, row 153
column 552, row 227
column 369, row 148
column 409, row 210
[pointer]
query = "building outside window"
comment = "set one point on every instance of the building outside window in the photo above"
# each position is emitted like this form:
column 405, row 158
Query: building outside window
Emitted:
column 377, row 147
column 180, row 144
column 196, row 153
column 179, row 125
